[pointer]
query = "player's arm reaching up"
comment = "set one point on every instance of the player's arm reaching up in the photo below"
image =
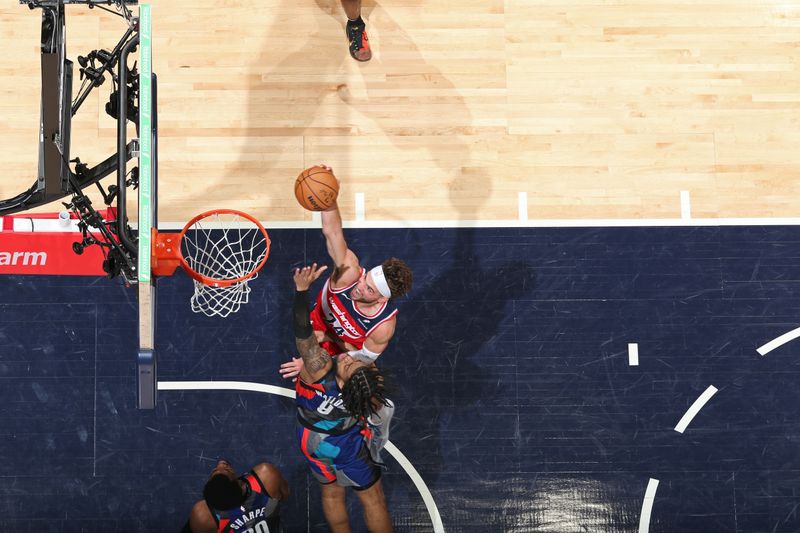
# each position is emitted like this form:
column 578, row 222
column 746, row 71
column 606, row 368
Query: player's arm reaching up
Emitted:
column 346, row 266
column 316, row 361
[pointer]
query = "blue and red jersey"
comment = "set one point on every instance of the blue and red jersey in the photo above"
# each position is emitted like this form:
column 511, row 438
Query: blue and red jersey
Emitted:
column 336, row 314
column 320, row 406
column 258, row 512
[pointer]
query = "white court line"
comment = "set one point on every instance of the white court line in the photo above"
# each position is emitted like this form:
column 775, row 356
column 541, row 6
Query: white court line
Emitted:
column 686, row 206
column 401, row 459
column 515, row 223
column 695, row 408
column 522, row 200
column 316, row 219
column 427, row 497
column 647, row 505
column 780, row 341
column 226, row 385
column 633, row 354
column 360, row 210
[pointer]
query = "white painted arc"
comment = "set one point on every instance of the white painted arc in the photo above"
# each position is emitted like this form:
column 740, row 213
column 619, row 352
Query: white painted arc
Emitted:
column 778, row 341
column 693, row 409
column 647, row 505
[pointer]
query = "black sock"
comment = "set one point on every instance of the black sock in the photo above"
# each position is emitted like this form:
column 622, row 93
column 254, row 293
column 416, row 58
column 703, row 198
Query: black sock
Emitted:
column 357, row 22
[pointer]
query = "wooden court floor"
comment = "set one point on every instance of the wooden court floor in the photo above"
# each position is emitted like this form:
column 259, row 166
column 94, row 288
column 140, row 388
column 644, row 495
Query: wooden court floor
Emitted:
column 602, row 109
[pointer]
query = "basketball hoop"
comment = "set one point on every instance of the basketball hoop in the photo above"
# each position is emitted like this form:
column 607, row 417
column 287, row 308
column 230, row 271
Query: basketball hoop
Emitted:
column 221, row 250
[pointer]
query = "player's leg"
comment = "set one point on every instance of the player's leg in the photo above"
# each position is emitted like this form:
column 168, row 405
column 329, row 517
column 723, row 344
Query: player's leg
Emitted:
column 352, row 8
column 333, row 505
column 356, row 468
column 314, row 448
column 356, row 31
column 376, row 513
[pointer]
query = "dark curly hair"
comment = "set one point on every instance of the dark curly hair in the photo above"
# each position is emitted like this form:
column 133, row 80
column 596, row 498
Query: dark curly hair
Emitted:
column 365, row 392
column 222, row 492
column 398, row 276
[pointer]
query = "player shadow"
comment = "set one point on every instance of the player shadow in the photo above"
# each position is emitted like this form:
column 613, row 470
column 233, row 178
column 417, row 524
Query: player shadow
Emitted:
column 448, row 356
column 332, row 104
column 455, row 351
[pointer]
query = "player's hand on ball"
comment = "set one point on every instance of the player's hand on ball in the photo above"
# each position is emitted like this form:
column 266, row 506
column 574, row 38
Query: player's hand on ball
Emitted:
column 292, row 368
column 304, row 277
column 329, row 169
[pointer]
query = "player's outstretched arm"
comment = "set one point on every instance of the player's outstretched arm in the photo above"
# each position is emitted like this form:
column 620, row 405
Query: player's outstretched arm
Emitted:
column 344, row 260
column 334, row 234
column 316, row 361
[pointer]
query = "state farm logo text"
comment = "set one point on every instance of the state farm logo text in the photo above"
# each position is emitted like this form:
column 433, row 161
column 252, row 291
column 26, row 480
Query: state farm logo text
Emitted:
column 23, row 258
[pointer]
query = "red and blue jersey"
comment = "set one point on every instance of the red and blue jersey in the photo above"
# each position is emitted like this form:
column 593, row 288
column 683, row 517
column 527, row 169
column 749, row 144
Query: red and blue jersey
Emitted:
column 320, row 407
column 258, row 512
column 331, row 439
column 339, row 317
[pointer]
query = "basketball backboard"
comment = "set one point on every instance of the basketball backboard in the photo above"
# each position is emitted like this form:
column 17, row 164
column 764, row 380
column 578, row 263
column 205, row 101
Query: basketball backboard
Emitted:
column 148, row 212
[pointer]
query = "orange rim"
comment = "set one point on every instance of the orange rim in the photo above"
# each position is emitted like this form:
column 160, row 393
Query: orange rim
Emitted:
column 161, row 255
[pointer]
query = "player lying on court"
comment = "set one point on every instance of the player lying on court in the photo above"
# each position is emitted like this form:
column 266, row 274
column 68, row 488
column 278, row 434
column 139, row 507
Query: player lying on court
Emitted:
column 355, row 309
column 246, row 503
column 335, row 396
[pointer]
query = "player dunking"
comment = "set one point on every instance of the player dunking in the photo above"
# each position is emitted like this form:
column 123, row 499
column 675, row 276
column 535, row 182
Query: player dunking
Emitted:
column 355, row 310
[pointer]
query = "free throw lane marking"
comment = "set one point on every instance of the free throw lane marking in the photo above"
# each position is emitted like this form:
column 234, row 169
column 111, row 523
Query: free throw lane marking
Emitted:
column 633, row 354
column 522, row 200
column 360, row 209
column 686, row 206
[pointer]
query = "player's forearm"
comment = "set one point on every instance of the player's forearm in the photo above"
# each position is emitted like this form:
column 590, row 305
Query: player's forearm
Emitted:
column 365, row 355
column 314, row 357
column 301, row 321
column 331, row 220
column 334, row 235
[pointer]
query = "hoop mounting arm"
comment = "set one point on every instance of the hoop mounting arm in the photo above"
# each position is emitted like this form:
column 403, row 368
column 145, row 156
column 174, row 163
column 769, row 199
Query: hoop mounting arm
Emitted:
column 165, row 257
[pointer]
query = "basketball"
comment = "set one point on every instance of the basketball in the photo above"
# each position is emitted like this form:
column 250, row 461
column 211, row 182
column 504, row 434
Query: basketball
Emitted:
column 316, row 189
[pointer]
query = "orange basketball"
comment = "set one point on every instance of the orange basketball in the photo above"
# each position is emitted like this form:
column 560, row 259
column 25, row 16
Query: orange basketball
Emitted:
column 316, row 189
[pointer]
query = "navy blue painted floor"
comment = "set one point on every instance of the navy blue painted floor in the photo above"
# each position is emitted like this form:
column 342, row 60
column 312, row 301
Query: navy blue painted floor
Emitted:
column 516, row 402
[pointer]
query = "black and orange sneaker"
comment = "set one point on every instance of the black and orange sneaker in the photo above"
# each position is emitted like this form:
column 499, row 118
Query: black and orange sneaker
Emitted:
column 359, row 43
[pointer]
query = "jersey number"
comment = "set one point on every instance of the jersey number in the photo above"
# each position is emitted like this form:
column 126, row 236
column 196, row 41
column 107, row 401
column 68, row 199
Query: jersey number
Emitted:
column 327, row 405
column 261, row 527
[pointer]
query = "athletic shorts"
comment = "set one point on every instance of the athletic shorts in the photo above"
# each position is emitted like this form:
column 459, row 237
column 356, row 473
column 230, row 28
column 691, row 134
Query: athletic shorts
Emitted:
column 342, row 459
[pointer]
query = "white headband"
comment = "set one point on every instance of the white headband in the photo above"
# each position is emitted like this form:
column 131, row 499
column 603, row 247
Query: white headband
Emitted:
column 380, row 281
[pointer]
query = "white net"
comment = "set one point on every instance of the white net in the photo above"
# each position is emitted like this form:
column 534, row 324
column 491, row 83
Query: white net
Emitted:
column 221, row 247
column 220, row 301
